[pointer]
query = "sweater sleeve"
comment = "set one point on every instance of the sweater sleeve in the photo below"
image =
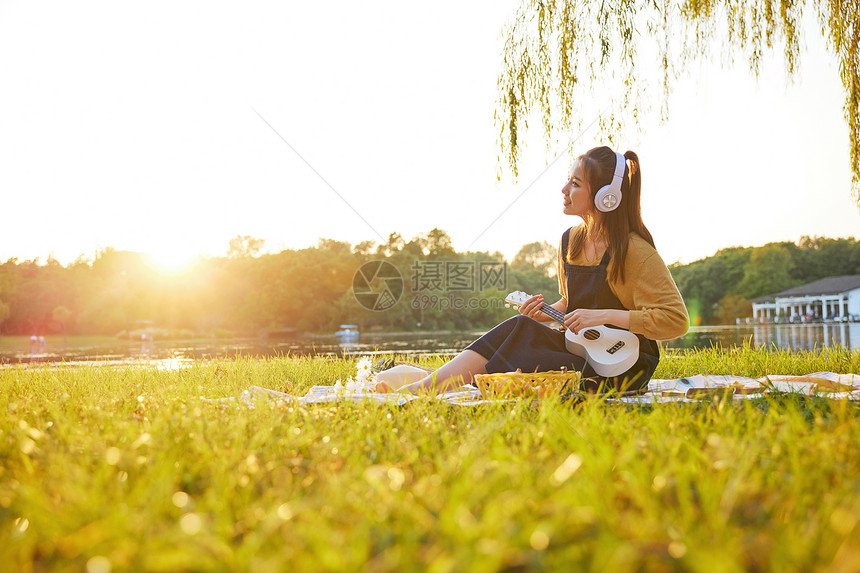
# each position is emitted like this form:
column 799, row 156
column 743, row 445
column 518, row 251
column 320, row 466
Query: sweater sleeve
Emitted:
column 657, row 310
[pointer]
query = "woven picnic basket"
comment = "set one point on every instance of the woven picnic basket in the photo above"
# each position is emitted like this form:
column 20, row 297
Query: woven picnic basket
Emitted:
column 513, row 384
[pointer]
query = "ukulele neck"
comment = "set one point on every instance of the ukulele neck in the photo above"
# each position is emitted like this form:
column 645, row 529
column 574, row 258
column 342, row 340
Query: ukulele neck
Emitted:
column 552, row 312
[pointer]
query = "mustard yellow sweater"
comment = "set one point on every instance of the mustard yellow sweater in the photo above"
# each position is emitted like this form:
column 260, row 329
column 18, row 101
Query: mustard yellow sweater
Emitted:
column 657, row 310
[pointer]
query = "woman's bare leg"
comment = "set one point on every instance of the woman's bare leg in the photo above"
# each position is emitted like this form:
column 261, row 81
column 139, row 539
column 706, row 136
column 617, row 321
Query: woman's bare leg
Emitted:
column 459, row 371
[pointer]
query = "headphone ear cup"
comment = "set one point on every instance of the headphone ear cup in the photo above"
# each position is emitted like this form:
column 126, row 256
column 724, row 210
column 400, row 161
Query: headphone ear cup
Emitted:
column 607, row 199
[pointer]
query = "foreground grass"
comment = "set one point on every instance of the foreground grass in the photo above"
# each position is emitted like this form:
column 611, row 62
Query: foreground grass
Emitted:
column 127, row 470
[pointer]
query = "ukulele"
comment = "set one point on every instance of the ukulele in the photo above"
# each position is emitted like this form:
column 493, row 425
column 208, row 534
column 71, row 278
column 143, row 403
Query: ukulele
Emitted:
column 610, row 351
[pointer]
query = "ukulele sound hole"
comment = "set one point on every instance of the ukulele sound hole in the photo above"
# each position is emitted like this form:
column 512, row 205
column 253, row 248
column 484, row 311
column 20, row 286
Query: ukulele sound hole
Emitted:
column 591, row 334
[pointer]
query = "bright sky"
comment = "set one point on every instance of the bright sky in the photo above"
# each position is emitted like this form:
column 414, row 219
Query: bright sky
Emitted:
column 136, row 126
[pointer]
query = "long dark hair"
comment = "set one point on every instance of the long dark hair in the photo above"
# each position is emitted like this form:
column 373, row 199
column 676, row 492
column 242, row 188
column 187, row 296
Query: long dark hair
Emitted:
column 598, row 165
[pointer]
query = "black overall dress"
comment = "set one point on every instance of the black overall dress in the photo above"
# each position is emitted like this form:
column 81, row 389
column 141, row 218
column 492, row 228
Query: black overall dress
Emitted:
column 522, row 342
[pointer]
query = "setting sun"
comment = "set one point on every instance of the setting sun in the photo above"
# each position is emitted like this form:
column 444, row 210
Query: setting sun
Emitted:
column 172, row 261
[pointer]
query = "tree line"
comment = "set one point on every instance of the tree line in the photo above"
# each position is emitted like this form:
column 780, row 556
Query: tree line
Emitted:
column 249, row 293
column 314, row 289
column 718, row 289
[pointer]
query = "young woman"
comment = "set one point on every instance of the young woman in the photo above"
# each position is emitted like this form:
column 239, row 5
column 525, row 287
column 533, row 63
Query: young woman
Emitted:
column 609, row 273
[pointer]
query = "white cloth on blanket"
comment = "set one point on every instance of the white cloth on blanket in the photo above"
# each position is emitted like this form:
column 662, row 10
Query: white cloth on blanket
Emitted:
column 688, row 389
column 465, row 396
column 825, row 384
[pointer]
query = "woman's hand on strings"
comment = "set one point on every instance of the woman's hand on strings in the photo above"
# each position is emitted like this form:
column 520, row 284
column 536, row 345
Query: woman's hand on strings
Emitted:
column 584, row 317
column 531, row 307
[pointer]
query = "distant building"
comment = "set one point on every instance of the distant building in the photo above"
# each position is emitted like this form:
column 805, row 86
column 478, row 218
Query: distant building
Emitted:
column 832, row 298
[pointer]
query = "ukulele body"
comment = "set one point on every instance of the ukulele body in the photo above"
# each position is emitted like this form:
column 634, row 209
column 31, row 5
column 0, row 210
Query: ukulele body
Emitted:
column 609, row 351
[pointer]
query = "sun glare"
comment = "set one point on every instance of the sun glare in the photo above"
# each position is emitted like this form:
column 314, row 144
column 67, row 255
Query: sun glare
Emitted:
column 172, row 261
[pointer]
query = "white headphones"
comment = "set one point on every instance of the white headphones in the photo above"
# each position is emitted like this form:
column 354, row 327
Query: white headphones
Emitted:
column 609, row 197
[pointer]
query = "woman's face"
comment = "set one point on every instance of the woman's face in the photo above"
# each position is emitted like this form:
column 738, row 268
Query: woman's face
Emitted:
column 577, row 193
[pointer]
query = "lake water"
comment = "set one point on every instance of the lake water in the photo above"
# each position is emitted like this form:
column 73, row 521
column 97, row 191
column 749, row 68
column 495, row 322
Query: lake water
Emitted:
column 83, row 350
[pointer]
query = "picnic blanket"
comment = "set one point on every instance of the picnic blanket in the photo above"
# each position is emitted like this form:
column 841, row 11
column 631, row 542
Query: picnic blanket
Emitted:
column 688, row 389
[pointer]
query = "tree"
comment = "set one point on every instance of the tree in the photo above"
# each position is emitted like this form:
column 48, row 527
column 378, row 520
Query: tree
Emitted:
column 768, row 272
column 700, row 283
column 557, row 50
column 363, row 248
column 731, row 307
column 394, row 245
column 539, row 256
column 438, row 244
column 245, row 246
column 819, row 257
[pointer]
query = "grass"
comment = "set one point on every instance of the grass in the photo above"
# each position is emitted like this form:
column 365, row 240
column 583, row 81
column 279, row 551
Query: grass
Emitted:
column 125, row 469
